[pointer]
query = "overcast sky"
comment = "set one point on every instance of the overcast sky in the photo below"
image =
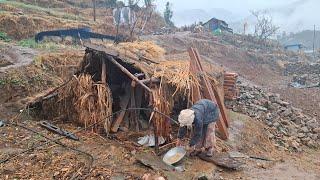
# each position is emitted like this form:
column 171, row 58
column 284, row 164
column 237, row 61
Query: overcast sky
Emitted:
column 289, row 15
column 236, row 6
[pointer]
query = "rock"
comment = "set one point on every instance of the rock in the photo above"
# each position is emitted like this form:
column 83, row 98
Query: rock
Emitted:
column 269, row 123
column 305, row 129
column 285, row 122
column 316, row 130
column 270, row 136
column 305, row 140
column 287, row 112
column 1, row 123
column 311, row 143
column 301, row 135
column 261, row 108
column 283, row 103
column 269, row 116
column 294, row 144
column 276, row 124
column 312, row 125
column 298, row 120
column 296, row 110
column 275, row 98
column 314, row 137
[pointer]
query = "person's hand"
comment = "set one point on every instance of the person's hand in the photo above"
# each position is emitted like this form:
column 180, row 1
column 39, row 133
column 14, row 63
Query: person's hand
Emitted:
column 190, row 148
column 178, row 143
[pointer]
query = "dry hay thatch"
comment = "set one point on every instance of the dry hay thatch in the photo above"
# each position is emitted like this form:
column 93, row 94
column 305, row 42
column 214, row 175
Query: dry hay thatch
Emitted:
column 135, row 50
column 176, row 74
column 25, row 26
column 85, row 102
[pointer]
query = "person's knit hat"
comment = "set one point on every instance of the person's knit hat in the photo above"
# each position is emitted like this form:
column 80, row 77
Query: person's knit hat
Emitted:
column 186, row 117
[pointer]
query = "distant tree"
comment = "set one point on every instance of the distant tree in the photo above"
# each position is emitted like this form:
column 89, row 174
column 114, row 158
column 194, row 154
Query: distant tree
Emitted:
column 168, row 13
column 111, row 3
column 120, row 4
column 264, row 28
column 148, row 3
column 130, row 3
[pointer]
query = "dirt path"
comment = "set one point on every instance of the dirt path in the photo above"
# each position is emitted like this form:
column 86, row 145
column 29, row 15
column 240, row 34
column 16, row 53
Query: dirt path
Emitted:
column 15, row 56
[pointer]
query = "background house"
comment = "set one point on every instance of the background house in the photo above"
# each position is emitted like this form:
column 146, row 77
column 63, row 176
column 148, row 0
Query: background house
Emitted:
column 214, row 24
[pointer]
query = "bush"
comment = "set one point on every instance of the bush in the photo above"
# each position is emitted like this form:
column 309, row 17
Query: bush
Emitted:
column 4, row 37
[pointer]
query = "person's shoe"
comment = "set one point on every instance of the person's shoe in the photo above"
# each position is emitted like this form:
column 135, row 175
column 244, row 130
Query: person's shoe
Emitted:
column 209, row 152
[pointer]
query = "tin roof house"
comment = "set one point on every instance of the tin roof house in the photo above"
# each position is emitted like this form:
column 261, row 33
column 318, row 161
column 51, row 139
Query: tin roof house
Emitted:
column 214, row 24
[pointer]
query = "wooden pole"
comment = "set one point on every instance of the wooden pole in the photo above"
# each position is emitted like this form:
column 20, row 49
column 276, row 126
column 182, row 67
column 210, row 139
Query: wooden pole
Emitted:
column 314, row 36
column 124, row 101
column 104, row 72
column 123, row 69
column 94, row 10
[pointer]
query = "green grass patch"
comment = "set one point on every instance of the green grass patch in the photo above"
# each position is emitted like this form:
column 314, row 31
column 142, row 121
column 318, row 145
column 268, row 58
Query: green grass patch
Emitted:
column 12, row 81
column 4, row 37
column 31, row 43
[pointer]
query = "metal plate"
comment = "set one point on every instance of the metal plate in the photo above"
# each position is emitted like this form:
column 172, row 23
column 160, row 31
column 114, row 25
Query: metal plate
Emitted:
column 174, row 155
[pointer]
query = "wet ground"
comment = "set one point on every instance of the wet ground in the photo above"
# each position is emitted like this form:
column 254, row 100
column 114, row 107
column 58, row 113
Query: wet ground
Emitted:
column 15, row 56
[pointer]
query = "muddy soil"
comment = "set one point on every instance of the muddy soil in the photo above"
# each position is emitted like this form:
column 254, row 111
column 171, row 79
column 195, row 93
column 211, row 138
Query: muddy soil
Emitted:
column 15, row 56
column 52, row 161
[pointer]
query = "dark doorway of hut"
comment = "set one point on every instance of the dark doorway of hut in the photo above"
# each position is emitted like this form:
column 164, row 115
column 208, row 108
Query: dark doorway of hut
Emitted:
column 127, row 93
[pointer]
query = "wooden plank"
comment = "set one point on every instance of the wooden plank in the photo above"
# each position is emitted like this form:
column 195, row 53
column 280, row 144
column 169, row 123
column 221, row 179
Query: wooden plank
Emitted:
column 208, row 93
column 216, row 94
column 195, row 90
column 133, row 113
column 222, row 160
column 124, row 101
column 138, row 94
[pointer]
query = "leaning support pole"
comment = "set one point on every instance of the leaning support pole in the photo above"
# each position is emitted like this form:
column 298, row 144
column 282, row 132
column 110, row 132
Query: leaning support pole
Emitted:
column 124, row 70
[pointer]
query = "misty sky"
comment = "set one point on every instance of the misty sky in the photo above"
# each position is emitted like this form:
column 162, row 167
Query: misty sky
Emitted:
column 236, row 6
column 289, row 15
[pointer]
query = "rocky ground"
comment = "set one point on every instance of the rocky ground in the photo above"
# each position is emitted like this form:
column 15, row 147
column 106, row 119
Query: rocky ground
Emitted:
column 289, row 127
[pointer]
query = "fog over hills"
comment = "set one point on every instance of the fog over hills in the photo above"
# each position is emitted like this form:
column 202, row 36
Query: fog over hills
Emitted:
column 185, row 17
column 292, row 17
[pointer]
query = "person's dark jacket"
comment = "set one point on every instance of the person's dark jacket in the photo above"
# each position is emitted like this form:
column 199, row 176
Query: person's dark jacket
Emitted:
column 205, row 112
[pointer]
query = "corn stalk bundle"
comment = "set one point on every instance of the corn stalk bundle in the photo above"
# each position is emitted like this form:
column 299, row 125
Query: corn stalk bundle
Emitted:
column 163, row 102
column 86, row 102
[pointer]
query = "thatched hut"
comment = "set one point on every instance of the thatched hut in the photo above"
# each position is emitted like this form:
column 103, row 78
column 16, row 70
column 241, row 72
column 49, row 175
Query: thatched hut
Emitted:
column 113, row 78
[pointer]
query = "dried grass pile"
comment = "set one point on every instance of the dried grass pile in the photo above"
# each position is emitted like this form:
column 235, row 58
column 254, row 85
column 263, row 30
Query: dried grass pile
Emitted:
column 84, row 101
column 134, row 50
column 26, row 26
column 177, row 75
column 63, row 64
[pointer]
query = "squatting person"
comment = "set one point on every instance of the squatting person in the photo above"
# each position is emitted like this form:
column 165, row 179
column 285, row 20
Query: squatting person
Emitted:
column 202, row 117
